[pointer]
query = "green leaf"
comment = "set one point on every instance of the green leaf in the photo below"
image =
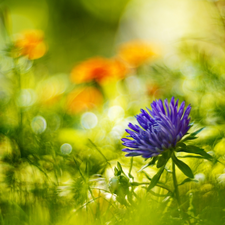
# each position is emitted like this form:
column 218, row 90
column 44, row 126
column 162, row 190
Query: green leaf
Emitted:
column 197, row 131
column 155, row 179
column 193, row 135
column 183, row 167
column 196, row 150
column 187, row 180
column 159, row 184
column 189, row 138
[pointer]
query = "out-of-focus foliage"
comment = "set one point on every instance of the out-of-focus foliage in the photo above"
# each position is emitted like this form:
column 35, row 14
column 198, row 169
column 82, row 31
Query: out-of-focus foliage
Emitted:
column 69, row 86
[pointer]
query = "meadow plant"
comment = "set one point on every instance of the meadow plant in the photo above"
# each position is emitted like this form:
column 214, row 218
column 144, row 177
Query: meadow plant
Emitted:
column 161, row 134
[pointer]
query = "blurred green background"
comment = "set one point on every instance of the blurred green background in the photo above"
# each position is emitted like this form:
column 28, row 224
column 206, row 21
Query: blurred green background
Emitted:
column 79, row 29
column 57, row 159
column 74, row 29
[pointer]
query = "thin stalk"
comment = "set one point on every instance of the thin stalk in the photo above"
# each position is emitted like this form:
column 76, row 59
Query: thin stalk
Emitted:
column 131, row 165
column 175, row 183
column 100, row 153
column 181, row 210
column 89, row 188
column 84, row 179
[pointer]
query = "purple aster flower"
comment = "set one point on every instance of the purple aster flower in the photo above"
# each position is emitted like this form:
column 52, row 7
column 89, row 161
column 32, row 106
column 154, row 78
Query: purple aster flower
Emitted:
column 159, row 129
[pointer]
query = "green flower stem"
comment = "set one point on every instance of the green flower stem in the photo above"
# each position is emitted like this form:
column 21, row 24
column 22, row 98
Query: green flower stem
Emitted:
column 180, row 207
column 175, row 182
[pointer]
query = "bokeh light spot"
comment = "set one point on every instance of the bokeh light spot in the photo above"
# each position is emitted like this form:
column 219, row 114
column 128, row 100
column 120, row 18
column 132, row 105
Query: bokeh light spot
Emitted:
column 38, row 124
column 26, row 98
column 89, row 120
column 115, row 112
column 66, row 148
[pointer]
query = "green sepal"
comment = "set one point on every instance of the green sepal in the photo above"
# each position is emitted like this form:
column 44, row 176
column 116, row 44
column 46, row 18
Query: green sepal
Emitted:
column 183, row 166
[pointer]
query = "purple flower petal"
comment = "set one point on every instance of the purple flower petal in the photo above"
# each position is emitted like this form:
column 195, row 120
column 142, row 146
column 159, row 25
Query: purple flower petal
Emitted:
column 160, row 129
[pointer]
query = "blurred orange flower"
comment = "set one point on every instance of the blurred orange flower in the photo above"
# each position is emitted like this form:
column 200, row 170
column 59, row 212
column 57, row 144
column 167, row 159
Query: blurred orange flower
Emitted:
column 98, row 69
column 136, row 53
column 118, row 68
column 30, row 43
column 83, row 99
